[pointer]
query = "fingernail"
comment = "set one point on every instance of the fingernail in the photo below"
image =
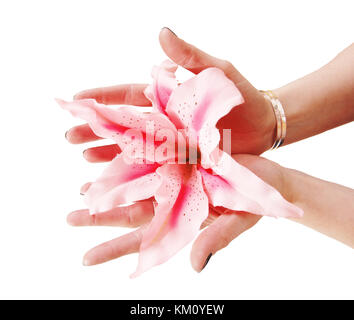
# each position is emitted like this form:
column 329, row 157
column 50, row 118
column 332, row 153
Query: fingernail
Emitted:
column 207, row 260
column 84, row 188
column 85, row 262
column 66, row 135
column 169, row 30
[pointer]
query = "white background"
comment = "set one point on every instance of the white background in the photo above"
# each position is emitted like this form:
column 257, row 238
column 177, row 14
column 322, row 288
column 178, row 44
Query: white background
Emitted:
column 56, row 48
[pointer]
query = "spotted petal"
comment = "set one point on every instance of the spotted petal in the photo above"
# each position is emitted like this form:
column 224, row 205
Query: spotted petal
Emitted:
column 163, row 84
column 122, row 183
column 197, row 104
column 233, row 186
column 181, row 208
column 116, row 122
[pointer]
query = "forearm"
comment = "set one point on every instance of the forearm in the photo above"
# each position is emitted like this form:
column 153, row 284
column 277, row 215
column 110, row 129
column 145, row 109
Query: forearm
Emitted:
column 328, row 207
column 321, row 100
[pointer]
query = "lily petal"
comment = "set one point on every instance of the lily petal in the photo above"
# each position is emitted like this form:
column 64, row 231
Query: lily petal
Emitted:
column 115, row 123
column 182, row 206
column 122, row 183
column 197, row 104
column 163, row 84
column 234, row 187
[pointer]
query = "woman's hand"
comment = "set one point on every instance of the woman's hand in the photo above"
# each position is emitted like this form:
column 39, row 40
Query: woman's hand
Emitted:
column 312, row 104
column 328, row 208
column 220, row 231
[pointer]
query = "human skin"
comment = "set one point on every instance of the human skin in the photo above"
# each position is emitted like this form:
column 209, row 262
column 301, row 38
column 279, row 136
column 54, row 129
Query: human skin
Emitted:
column 318, row 102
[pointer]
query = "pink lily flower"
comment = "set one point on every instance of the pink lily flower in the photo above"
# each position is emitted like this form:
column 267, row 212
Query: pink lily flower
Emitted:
column 182, row 192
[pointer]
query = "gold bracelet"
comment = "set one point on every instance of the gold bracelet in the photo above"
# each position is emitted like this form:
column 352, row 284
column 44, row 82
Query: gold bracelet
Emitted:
column 279, row 117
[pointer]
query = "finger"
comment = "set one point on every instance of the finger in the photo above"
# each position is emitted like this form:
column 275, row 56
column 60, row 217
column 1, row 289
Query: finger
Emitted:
column 129, row 243
column 130, row 216
column 132, row 94
column 81, row 134
column 102, row 153
column 218, row 235
column 192, row 58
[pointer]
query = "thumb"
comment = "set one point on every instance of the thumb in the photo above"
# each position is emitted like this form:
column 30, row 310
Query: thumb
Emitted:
column 218, row 235
column 192, row 58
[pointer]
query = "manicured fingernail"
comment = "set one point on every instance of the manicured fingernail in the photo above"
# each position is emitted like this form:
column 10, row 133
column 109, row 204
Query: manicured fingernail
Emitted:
column 207, row 260
column 169, row 30
column 86, row 155
column 84, row 188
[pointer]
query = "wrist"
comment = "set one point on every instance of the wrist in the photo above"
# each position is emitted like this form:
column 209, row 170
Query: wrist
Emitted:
column 286, row 96
column 277, row 124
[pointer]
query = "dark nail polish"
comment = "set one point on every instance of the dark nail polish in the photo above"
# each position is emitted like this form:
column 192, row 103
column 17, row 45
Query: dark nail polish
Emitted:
column 169, row 30
column 207, row 260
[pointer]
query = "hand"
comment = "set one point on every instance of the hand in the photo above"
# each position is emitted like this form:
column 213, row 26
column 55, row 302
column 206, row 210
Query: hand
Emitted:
column 252, row 123
column 221, row 230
